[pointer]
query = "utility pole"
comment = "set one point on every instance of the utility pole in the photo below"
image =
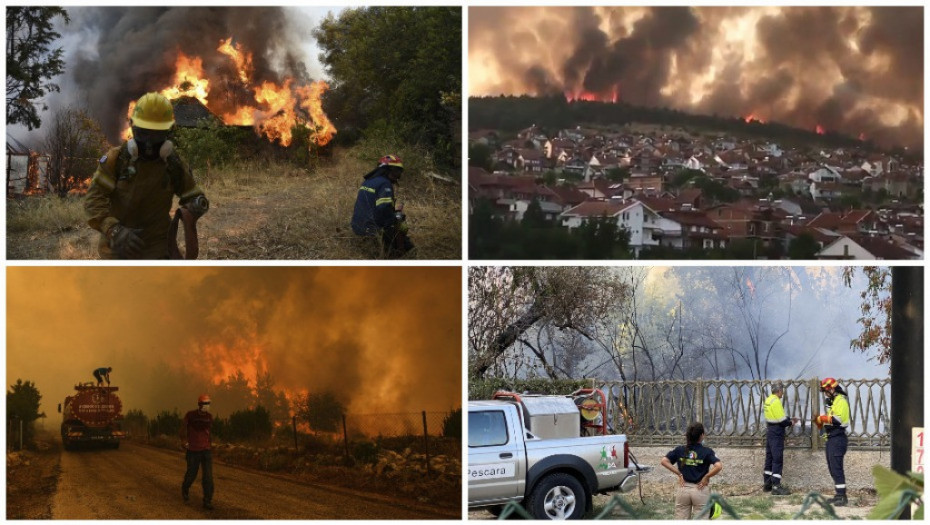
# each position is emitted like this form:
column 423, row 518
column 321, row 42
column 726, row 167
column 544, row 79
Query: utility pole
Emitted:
column 907, row 363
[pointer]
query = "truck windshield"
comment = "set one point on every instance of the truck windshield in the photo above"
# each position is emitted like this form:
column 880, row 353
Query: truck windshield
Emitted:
column 487, row 429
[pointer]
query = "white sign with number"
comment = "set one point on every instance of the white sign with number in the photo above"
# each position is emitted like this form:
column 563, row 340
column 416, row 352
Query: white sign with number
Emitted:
column 917, row 449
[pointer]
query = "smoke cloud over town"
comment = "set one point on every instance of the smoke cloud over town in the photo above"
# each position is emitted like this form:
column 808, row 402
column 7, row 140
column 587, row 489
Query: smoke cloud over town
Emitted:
column 854, row 70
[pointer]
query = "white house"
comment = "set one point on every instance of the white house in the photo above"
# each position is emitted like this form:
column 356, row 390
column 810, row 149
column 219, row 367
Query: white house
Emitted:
column 645, row 226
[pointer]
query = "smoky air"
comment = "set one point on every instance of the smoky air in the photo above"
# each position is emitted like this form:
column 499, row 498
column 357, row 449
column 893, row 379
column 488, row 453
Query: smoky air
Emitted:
column 854, row 70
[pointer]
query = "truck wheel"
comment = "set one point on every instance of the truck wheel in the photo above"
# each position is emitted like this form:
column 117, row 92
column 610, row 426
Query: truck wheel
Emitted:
column 558, row 496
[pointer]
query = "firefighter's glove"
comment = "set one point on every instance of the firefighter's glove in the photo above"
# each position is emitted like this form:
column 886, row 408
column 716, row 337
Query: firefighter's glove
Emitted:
column 402, row 227
column 198, row 205
column 126, row 242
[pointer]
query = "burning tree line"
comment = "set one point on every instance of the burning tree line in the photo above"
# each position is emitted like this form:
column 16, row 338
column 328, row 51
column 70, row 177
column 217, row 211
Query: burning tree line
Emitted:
column 254, row 79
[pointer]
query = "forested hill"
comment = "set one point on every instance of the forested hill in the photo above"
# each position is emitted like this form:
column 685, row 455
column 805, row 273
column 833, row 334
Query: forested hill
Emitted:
column 512, row 113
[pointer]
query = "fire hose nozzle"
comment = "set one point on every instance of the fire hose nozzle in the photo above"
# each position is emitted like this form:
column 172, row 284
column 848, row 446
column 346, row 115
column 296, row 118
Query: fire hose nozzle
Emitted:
column 198, row 205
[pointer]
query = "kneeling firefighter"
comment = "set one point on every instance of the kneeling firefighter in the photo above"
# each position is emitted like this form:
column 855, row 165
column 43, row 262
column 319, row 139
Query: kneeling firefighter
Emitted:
column 376, row 209
column 132, row 191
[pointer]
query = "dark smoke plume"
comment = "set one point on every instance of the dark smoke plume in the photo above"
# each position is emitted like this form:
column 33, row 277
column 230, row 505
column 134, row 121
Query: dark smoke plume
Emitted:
column 848, row 69
column 125, row 52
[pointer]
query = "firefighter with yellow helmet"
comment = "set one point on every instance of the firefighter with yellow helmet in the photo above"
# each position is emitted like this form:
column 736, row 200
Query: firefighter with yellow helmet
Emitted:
column 132, row 191
column 835, row 423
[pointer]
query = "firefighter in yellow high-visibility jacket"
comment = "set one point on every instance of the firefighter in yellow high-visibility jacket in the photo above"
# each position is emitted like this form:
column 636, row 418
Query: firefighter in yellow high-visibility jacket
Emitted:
column 835, row 422
column 776, row 423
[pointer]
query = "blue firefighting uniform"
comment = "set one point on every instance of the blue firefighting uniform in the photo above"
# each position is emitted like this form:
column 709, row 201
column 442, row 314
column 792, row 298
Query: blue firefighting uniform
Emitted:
column 837, row 441
column 776, row 422
column 374, row 207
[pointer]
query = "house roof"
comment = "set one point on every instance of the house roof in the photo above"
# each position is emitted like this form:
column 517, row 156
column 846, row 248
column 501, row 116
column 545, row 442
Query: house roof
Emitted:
column 598, row 208
column 691, row 218
column 188, row 112
column 882, row 249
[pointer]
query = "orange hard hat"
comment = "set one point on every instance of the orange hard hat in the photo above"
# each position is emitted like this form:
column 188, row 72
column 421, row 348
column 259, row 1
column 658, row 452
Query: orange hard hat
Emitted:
column 204, row 399
column 828, row 383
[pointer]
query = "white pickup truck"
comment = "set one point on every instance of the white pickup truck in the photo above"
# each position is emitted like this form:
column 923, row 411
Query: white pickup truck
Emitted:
column 553, row 477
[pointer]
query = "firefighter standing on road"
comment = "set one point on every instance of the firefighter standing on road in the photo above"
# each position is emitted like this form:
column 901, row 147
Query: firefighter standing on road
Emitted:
column 195, row 436
column 376, row 210
column 696, row 464
column 132, row 191
column 776, row 423
column 103, row 374
column 834, row 423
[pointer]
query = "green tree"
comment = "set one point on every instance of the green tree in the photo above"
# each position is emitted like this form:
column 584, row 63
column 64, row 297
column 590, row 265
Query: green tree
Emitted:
column 22, row 404
column 803, row 246
column 253, row 424
column 617, row 174
column 73, row 142
column 479, row 156
column 534, row 217
column 323, row 411
column 452, row 424
column 166, row 424
column 401, row 65
column 875, row 310
column 31, row 64
column 233, row 393
column 274, row 401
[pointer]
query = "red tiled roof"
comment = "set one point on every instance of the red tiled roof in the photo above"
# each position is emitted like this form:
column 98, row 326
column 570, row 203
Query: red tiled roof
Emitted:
column 598, row 208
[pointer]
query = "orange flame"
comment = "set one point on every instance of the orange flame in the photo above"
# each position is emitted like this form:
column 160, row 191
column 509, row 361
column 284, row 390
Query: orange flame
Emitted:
column 313, row 102
column 753, row 118
column 189, row 80
column 588, row 96
column 819, row 130
column 242, row 59
column 277, row 108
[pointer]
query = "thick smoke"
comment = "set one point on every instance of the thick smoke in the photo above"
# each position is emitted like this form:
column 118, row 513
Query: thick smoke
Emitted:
column 124, row 52
column 384, row 340
column 849, row 69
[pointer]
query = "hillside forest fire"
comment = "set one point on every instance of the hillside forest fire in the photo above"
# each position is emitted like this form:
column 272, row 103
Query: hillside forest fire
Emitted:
column 612, row 96
column 273, row 109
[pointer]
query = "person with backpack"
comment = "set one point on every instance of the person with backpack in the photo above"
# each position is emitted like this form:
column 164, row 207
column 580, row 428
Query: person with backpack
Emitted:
column 694, row 464
column 377, row 211
column 130, row 196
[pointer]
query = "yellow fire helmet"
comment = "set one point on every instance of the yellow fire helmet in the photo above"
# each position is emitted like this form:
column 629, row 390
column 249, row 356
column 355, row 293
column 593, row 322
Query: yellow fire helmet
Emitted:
column 153, row 111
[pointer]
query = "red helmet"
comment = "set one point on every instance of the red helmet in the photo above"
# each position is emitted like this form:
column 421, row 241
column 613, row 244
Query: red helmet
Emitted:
column 391, row 160
column 204, row 399
column 828, row 383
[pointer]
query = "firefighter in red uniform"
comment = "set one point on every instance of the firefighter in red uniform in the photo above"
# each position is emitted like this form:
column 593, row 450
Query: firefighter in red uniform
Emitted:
column 195, row 436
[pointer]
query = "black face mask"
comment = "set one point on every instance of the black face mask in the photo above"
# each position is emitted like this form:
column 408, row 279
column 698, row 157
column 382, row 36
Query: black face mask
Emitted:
column 149, row 141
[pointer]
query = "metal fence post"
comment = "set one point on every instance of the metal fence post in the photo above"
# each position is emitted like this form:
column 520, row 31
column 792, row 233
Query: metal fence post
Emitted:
column 345, row 435
column 814, row 387
column 426, row 443
column 699, row 405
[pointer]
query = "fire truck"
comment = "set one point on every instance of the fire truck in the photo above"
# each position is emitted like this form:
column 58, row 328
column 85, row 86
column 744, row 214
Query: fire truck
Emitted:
column 92, row 415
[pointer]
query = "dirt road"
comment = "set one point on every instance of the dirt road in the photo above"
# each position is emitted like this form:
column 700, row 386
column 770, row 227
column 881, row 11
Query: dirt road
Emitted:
column 137, row 482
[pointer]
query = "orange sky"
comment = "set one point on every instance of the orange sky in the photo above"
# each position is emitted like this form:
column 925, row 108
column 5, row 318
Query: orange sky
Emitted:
column 385, row 339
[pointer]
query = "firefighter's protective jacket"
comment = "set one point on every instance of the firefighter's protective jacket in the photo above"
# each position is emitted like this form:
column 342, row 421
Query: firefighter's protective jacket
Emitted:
column 374, row 207
column 139, row 195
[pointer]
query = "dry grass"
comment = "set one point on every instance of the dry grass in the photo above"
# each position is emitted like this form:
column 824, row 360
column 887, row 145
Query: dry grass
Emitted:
column 269, row 211
column 48, row 227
